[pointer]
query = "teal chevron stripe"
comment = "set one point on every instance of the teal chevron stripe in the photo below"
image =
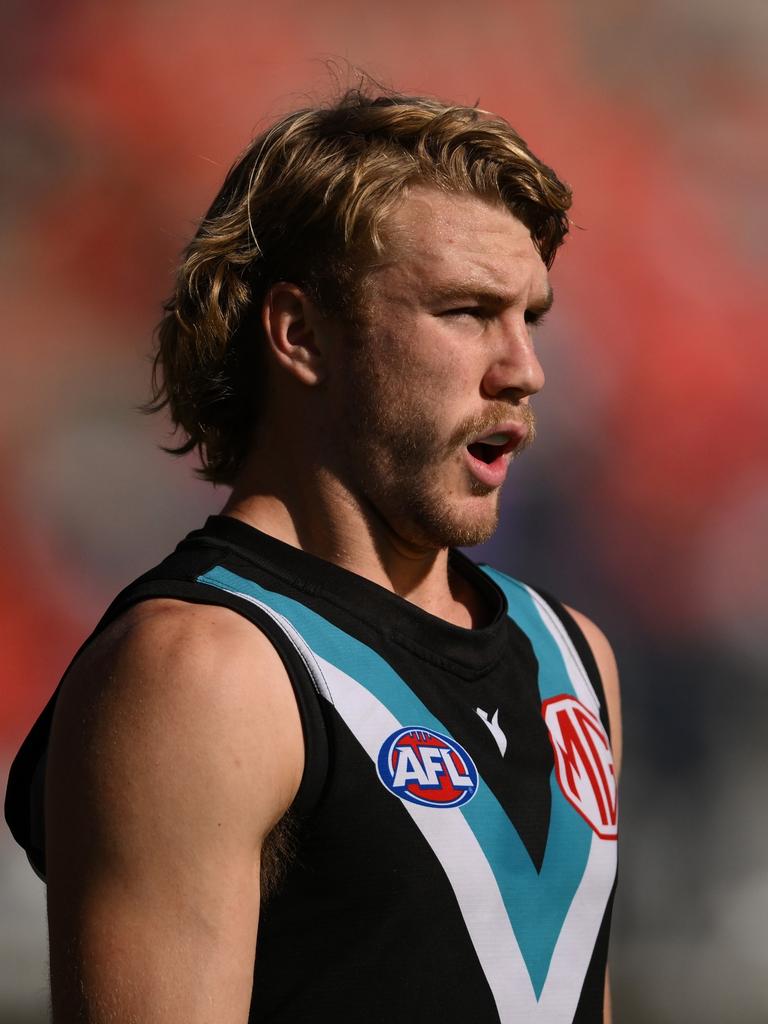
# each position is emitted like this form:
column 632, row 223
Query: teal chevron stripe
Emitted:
column 553, row 675
column 536, row 902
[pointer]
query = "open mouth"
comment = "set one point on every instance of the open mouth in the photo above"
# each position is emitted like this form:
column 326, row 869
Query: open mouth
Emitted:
column 491, row 447
column 486, row 453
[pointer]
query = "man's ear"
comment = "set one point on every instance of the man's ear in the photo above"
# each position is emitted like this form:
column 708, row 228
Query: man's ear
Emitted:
column 294, row 332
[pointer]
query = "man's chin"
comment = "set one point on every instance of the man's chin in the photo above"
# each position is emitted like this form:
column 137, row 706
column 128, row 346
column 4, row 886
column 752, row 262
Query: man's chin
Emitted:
column 469, row 535
column 448, row 527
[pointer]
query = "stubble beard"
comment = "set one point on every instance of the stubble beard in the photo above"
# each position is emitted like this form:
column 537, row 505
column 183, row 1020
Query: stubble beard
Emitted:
column 398, row 456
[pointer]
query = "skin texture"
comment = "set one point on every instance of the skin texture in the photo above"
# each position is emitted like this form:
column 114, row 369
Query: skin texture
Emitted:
column 161, row 789
column 177, row 744
column 445, row 344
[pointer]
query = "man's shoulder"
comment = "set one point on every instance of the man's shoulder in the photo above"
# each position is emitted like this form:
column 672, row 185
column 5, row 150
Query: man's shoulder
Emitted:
column 177, row 636
column 605, row 660
column 179, row 666
column 171, row 683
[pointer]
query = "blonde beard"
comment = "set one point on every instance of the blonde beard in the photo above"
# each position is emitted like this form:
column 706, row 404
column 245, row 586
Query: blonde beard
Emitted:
column 395, row 470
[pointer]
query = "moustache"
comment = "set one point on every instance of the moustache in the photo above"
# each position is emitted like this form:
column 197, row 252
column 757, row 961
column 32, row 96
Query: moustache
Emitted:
column 491, row 421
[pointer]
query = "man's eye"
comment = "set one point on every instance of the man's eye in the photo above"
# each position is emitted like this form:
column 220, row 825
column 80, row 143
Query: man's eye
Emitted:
column 476, row 312
column 535, row 319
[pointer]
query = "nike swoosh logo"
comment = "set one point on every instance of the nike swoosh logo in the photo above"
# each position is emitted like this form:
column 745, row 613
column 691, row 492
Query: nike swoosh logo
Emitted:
column 494, row 728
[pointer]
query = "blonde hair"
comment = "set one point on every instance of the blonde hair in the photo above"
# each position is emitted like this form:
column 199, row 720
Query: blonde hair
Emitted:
column 306, row 203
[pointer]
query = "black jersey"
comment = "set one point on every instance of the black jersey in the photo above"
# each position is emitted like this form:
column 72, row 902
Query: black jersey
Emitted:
column 456, row 821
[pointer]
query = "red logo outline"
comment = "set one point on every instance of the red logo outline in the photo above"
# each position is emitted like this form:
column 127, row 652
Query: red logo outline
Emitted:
column 581, row 749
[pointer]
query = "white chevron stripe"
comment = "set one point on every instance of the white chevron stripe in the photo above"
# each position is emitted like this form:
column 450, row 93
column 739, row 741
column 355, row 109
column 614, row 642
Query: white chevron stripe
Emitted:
column 577, row 674
column 296, row 639
column 573, row 950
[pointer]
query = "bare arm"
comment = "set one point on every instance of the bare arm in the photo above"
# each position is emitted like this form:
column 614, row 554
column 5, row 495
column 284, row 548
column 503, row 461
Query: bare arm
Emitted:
column 609, row 674
column 176, row 747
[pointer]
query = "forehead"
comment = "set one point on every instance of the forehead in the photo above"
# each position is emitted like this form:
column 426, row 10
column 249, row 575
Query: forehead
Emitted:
column 444, row 240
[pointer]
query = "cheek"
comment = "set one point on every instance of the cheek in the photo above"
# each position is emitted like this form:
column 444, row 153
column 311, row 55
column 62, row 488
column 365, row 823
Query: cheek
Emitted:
column 450, row 378
column 437, row 356
column 450, row 353
column 424, row 360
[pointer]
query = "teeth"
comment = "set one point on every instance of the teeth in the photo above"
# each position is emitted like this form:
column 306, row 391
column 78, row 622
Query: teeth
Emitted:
column 497, row 439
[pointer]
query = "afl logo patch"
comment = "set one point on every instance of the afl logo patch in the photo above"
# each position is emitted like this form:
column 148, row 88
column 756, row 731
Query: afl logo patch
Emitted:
column 427, row 768
column 583, row 762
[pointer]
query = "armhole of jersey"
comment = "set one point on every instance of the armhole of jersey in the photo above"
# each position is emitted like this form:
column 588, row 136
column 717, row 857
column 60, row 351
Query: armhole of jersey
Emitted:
column 24, row 801
column 310, row 707
column 583, row 650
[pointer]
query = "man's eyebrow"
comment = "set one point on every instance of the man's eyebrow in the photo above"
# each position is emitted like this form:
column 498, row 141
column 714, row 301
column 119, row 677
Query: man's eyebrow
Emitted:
column 537, row 310
column 490, row 297
column 464, row 292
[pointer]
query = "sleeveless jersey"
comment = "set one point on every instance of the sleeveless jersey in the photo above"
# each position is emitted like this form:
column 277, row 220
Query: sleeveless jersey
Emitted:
column 455, row 825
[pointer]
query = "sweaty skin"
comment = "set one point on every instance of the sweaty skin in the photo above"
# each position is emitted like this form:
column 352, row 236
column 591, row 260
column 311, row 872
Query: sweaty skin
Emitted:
column 177, row 743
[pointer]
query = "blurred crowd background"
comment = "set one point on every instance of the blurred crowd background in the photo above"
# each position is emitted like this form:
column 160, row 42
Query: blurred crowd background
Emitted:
column 645, row 500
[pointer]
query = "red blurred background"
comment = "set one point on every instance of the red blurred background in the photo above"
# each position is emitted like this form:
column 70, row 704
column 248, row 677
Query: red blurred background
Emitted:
column 645, row 500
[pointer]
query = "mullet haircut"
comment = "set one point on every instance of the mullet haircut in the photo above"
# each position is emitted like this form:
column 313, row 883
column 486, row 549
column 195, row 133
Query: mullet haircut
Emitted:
column 306, row 203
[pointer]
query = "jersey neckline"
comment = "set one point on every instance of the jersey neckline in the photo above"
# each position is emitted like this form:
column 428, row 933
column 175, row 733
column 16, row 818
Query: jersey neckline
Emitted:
column 471, row 651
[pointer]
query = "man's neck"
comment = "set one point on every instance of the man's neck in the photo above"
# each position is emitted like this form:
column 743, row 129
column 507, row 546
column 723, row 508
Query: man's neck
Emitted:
column 332, row 525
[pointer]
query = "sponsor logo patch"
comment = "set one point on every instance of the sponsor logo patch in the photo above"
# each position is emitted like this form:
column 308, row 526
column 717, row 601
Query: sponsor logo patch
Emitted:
column 427, row 768
column 583, row 762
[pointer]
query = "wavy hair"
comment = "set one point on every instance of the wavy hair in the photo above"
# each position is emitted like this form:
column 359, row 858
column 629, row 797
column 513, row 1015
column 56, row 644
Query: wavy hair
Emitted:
column 306, row 202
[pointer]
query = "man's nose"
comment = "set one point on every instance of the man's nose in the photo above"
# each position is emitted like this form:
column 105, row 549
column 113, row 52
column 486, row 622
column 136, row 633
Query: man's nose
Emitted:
column 515, row 372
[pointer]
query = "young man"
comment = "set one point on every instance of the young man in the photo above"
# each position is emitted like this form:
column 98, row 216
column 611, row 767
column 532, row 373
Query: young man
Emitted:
column 317, row 738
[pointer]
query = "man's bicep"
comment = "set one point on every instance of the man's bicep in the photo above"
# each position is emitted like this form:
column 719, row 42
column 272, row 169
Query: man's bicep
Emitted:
column 172, row 755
